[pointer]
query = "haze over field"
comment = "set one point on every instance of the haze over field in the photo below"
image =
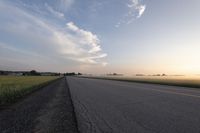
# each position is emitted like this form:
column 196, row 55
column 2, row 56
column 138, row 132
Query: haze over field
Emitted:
column 101, row 36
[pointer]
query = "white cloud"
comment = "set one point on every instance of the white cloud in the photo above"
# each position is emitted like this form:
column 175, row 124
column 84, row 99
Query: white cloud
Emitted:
column 89, row 41
column 95, row 49
column 55, row 8
column 72, row 27
column 86, row 38
column 141, row 10
column 54, row 12
column 37, row 35
column 135, row 10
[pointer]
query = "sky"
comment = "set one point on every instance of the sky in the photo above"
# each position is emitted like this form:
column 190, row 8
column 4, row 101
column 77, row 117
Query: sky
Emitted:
column 101, row 36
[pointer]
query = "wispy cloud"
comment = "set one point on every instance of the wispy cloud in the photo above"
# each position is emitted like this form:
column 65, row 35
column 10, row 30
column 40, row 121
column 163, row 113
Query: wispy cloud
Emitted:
column 54, row 12
column 65, row 4
column 135, row 11
column 89, row 41
column 86, row 38
column 59, row 7
column 136, row 8
column 34, row 34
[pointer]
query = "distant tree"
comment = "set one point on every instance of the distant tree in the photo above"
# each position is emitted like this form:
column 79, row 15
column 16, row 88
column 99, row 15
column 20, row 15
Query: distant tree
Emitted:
column 57, row 74
column 34, row 73
column 70, row 74
column 1, row 73
column 79, row 73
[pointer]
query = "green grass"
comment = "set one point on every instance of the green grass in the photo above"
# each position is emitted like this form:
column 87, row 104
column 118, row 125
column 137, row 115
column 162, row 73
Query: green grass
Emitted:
column 177, row 81
column 15, row 87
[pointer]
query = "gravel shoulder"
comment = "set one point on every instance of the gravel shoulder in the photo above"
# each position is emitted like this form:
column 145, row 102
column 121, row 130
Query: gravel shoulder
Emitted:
column 47, row 110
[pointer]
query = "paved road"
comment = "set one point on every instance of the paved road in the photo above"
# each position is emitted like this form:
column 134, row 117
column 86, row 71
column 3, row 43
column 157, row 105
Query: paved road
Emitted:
column 48, row 110
column 104, row 106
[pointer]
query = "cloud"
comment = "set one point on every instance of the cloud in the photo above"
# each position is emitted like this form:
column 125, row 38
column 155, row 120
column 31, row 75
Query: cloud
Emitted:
column 135, row 10
column 72, row 27
column 54, row 12
column 89, row 41
column 54, row 9
column 86, row 38
column 64, row 5
column 24, row 33
column 59, row 7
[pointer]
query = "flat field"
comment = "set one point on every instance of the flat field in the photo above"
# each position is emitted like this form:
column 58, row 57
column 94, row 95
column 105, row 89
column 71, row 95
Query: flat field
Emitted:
column 182, row 81
column 14, row 87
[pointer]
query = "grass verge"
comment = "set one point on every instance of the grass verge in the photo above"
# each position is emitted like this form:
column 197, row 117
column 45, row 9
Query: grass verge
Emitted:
column 14, row 87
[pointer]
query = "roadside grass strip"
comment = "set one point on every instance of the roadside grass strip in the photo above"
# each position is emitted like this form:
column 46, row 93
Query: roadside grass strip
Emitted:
column 15, row 87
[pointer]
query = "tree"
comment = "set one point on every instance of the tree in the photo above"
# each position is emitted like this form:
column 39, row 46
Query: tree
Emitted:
column 70, row 74
column 79, row 73
column 34, row 73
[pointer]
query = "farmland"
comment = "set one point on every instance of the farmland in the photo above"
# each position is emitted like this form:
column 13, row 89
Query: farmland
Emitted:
column 182, row 81
column 14, row 87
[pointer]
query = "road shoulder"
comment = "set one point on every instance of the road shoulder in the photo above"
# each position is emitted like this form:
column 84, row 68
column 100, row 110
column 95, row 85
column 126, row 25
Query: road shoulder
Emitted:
column 47, row 110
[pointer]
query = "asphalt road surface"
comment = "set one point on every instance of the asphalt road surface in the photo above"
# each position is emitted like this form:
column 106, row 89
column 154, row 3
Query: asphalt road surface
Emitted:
column 105, row 106
column 48, row 110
